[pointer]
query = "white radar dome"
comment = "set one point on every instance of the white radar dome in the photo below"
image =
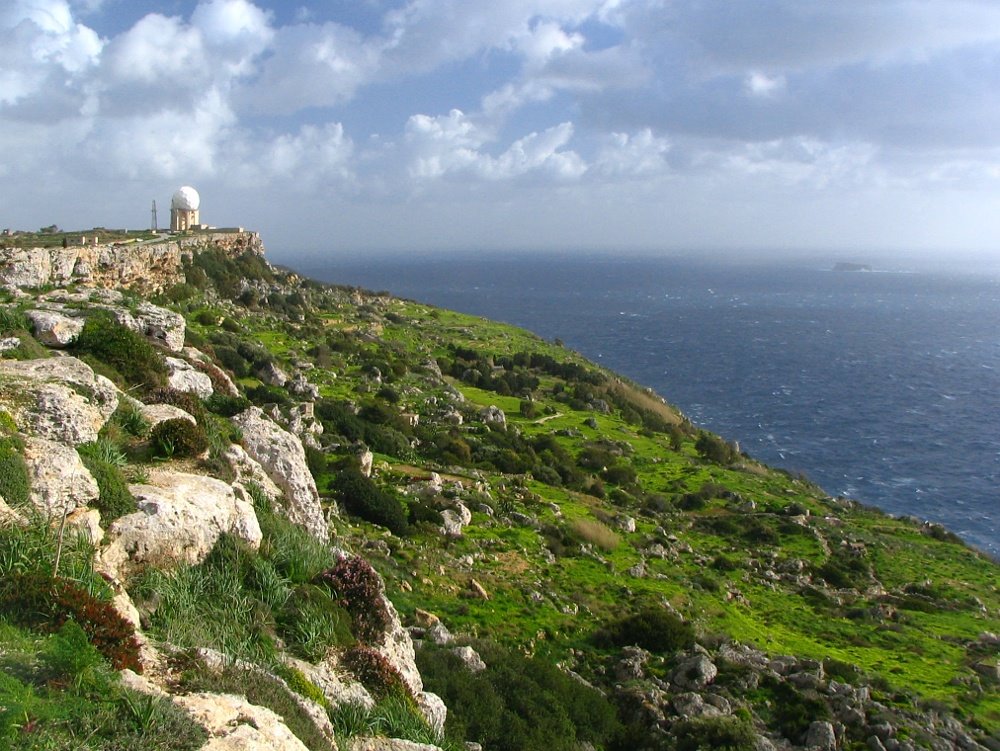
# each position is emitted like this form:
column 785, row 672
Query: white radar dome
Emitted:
column 186, row 198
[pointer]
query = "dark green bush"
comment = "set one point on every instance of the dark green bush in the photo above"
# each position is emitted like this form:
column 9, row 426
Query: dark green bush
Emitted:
column 129, row 354
column 362, row 497
column 185, row 400
column 115, row 499
column 655, row 629
column 793, row 710
column 517, row 703
column 714, row 449
column 714, row 734
column 225, row 405
column 177, row 438
column 45, row 603
column 15, row 484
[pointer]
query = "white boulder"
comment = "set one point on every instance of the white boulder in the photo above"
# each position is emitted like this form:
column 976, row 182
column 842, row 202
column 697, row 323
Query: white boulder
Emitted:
column 180, row 517
column 59, row 398
column 235, row 724
column 183, row 376
column 60, row 483
column 54, row 329
column 154, row 414
column 281, row 455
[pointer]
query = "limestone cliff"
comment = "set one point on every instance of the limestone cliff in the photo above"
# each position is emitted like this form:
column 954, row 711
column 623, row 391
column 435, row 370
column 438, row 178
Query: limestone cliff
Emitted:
column 146, row 267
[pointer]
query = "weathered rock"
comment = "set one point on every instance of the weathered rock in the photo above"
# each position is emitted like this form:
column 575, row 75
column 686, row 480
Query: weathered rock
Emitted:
column 154, row 414
column 470, row 657
column 439, row 634
column 9, row 343
column 59, row 398
column 397, row 648
column 493, row 415
column 54, row 329
column 388, row 744
column 300, row 387
column 179, row 519
column 85, row 523
column 237, row 725
column 433, row 709
column 693, row 705
column 281, row 455
column 337, row 687
column 220, row 379
column 365, row 460
column 821, row 736
column 272, row 375
column 632, row 665
column 694, row 673
column 183, row 376
column 9, row 516
column 248, row 470
column 60, row 482
column 454, row 519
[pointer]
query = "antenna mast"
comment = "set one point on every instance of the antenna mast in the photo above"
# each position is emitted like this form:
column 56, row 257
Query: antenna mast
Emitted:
column 154, row 227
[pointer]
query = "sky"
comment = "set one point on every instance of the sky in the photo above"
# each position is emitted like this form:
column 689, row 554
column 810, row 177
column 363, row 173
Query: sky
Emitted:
column 353, row 127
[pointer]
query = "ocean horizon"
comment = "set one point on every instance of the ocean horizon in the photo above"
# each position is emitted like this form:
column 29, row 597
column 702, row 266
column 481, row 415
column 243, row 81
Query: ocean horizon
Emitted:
column 880, row 386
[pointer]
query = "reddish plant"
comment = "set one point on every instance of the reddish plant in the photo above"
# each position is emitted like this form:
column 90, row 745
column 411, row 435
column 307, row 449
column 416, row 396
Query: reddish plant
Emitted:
column 357, row 588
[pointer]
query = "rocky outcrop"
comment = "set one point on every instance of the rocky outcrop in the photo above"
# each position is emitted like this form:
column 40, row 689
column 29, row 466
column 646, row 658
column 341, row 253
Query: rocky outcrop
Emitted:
column 179, row 519
column 146, row 267
column 60, row 482
column 388, row 744
column 153, row 322
column 281, row 455
column 235, row 724
column 54, row 329
column 183, row 376
column 154, row 414
column 454, row 519
column 59, row 398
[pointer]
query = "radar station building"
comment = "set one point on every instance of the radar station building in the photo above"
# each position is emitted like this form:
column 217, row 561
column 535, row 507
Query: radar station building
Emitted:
column 184, row 210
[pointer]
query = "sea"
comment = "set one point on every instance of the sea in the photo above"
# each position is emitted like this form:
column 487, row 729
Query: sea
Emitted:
column 881, row 385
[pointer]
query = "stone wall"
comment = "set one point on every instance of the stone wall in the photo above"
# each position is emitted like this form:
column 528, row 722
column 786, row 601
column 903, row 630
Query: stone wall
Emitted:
column 145, row 267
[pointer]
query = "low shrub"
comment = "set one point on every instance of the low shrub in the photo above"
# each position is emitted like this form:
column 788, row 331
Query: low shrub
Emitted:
column 185, row 400
column 15, row 484
column 45, row 603
column 177, row 438
column 312, row 622
column 357, row 588
column 226, row 406
column 517, row 703
column 374, row 672
column 654, row 629
column 723, row 733
column 128, row 353
column 362, row 497
column 115, row 499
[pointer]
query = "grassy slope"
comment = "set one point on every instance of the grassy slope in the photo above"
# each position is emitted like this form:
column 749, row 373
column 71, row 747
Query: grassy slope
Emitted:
column 553, row 605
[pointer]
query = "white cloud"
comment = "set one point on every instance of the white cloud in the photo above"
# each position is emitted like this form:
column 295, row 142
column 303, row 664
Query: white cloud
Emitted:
column 158, row 50
column 762, row 85
column 639, row 155
column 453, row 144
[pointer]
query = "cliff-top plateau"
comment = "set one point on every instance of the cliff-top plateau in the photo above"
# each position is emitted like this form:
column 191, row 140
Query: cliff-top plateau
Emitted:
column 240, row 509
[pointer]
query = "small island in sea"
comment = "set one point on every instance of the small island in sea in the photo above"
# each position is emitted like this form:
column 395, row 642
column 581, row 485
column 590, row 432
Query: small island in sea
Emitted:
column 850, row 266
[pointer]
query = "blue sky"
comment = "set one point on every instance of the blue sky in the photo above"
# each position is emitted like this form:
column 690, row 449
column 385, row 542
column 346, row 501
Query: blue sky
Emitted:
column 362, row 126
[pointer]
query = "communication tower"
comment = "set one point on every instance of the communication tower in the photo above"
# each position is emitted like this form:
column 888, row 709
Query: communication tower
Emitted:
column 154, row 226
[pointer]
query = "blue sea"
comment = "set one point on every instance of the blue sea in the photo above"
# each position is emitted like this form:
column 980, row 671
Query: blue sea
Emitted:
column 883, row 386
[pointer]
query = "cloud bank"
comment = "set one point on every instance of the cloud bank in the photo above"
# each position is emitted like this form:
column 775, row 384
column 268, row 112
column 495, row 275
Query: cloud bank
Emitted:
column 602, row 124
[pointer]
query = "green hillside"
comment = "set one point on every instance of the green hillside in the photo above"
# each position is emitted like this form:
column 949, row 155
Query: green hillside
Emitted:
column 592, row 545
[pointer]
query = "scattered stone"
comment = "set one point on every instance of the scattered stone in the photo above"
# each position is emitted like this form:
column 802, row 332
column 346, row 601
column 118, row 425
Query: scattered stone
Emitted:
column 272, row 375
column 493, row 415
column 470, row 658
column 183, row 376
column 694, row 673
column 454, row 519
column 154, row 414
column 59, row 398
column 54, row 329
column 821, row 736
column 478, row 590
column 433, row 709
